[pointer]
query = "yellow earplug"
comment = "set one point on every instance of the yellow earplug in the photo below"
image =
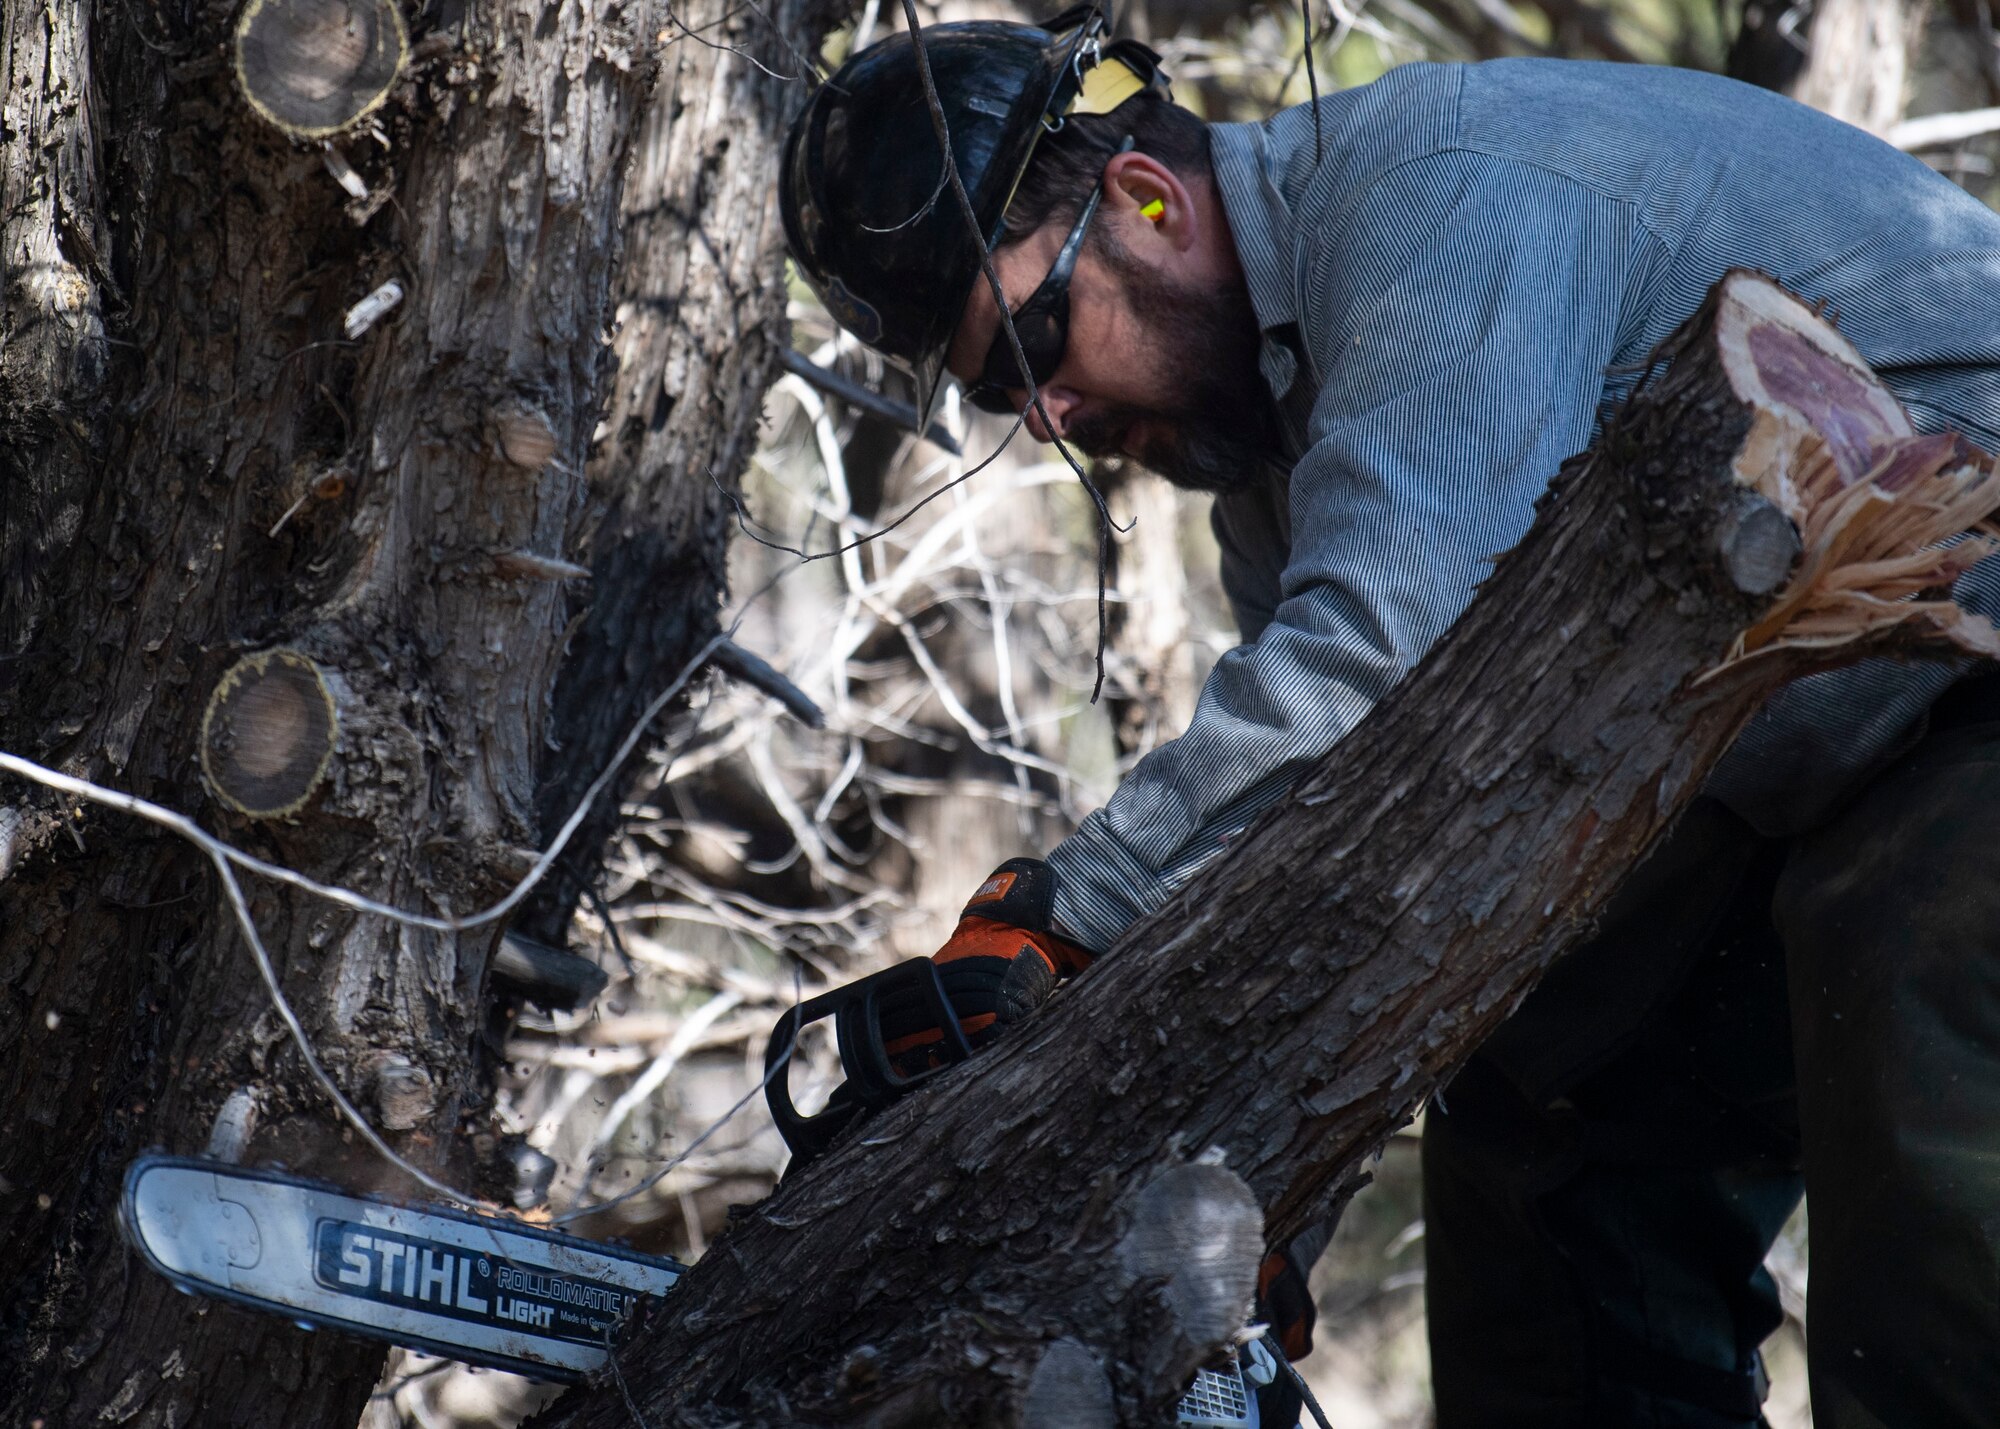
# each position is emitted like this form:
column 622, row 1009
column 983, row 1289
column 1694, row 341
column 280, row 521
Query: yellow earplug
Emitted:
column 1156, row 210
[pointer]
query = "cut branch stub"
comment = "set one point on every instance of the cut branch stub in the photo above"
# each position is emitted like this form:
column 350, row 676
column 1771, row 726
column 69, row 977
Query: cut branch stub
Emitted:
column 1197, row 1233
column 1882, row 519
column 268, row 733
column 526, row 438
column 1759, row 545
column 1198, row 1229
column 313, row 67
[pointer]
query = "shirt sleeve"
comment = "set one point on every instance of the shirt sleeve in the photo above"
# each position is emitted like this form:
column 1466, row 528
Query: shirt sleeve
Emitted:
column 1460, row 321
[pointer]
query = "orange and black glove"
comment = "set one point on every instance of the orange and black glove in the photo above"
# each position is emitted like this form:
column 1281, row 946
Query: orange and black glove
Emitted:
column 1000, row 964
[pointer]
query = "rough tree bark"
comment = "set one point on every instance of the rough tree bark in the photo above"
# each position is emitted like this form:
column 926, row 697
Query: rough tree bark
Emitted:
column 700, row 326
column 53, row 291
column 1037, row 1240
column 297, row 577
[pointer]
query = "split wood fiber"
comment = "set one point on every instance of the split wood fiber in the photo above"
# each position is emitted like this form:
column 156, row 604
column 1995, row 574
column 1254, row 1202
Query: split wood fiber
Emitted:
column 1298, row 1002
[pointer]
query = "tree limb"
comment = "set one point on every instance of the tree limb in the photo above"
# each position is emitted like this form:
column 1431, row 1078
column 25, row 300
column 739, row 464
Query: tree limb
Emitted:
column 994, row 1238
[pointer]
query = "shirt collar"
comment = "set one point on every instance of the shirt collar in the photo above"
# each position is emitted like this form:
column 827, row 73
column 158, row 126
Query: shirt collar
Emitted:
column 1260, row 224
column 1260, row 221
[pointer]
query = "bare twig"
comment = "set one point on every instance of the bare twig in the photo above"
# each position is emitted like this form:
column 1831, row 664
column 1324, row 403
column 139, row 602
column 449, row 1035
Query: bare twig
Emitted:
column 777, row 1069
column 754, row 670
column 1935, row 131
column 655, row 1076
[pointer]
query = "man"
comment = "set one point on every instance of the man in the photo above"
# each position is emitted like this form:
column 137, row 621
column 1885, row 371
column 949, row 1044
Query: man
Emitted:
column 1374, row 333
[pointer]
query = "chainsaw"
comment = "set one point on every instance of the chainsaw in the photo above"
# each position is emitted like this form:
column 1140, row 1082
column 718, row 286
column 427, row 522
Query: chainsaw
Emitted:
column 506, row 1294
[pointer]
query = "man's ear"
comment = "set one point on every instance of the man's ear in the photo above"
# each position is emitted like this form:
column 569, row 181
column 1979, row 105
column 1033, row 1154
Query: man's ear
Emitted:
column 1144, row 195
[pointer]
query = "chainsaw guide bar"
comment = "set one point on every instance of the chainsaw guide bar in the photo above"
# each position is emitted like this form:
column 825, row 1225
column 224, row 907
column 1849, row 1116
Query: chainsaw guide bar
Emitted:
column 480, row 1289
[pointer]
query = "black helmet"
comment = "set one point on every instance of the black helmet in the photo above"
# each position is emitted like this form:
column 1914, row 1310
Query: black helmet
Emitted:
column 868, row 216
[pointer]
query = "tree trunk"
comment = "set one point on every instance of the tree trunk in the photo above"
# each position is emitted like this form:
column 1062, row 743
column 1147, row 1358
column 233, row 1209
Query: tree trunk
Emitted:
column 284, row 568
column 1046, row 1238
column 1155, row 628
column 700, row 326
column 1851, row 58
column 1859, row 60
column 53, row 352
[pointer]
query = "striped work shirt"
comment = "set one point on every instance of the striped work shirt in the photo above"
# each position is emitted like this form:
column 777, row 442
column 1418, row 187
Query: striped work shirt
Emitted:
column 1452, row 291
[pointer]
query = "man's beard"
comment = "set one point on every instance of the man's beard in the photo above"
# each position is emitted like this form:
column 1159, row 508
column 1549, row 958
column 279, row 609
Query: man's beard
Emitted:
column 1214, row 428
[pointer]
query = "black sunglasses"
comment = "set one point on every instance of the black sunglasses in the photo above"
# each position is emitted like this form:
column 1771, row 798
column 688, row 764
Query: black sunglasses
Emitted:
column 1042, row 323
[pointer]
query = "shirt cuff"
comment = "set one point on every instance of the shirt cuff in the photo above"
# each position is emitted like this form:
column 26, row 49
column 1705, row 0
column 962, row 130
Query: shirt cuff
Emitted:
column 1101, row 889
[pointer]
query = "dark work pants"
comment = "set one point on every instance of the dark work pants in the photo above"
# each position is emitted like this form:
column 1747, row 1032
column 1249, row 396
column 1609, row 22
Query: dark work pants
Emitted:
column 1752, row 1019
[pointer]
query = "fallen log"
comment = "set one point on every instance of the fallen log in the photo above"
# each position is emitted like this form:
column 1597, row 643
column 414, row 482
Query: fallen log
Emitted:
column 1059, row 1233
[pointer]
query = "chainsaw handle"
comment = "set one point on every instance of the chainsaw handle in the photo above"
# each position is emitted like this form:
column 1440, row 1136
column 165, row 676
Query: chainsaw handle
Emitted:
column 807, row 1136
column 872, row 1079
